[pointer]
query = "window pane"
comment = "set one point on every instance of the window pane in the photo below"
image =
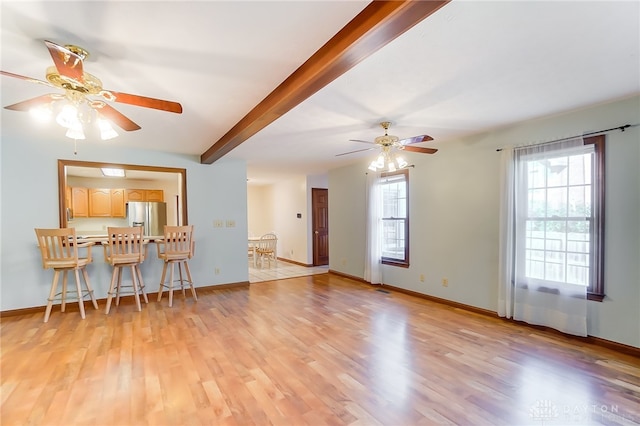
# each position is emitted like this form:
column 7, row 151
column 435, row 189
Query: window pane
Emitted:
column 580, row 169
column 537, row 201
column 557, row 171
column 536, row 174
column 393, row 239
column 579, row 201
column 557, row 202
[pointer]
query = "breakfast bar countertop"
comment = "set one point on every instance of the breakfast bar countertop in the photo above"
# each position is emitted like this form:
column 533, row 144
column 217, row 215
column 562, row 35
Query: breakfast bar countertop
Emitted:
column 102, row 238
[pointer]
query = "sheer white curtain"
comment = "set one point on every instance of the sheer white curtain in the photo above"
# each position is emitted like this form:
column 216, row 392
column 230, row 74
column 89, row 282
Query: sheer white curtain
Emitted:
column 506, row 256
column 539, row 282
column 372, row 265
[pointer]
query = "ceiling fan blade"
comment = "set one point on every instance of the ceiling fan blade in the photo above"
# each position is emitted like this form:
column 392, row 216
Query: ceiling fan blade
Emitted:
column 419, row 149
column 142, row 101
column 29, row 79
column 33, row 103
column 415, row 139
column 361, row 141
column 357, row 150
column 68, row 63
column 116, row 117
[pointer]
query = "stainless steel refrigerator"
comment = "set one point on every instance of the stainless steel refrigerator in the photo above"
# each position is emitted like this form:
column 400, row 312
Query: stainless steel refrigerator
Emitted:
column 150, row 215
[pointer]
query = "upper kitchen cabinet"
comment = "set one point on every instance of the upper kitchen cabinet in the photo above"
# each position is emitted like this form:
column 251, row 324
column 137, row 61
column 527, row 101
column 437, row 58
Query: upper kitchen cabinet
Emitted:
column 99, row 202
column 144, row 195
column 117, row 203
column 106, row 202
column 134, row 195
column 154, row 195
column 80, row 202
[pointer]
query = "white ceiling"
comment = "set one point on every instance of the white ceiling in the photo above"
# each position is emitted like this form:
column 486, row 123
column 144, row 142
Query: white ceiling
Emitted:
column 470, row 67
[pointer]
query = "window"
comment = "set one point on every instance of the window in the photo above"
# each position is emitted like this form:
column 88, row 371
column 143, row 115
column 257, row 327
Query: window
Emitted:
column 561, row 205
column 395, row 220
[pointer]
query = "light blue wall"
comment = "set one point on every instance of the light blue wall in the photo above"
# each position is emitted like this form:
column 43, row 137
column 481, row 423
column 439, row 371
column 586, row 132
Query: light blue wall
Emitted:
column 29, row 199
column 454, row 198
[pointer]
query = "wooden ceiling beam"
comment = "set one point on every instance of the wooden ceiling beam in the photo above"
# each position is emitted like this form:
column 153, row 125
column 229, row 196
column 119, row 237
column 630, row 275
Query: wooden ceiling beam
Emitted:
column 377, row 25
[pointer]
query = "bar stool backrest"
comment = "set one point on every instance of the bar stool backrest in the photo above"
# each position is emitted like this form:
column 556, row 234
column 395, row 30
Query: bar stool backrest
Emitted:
column 58, row 247
column 125, row 244
column 178, row 242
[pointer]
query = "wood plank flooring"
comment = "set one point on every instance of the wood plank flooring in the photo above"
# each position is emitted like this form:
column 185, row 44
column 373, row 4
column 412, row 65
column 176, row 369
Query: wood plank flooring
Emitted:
column 311, row 350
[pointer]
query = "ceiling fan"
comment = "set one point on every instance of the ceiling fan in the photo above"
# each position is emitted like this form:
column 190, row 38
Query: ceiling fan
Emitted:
column 79, row 87
column 388, row 142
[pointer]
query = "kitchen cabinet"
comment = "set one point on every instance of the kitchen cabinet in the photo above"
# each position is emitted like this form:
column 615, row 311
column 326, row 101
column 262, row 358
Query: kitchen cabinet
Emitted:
column 99, row 202
column 154, row 195
column 134, row 195
column 144, row 195
column 106, row 202
column 79, row 202
column 117, row 203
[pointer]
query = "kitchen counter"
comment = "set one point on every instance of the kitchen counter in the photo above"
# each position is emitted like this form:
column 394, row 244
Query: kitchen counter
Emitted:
column 102, row 239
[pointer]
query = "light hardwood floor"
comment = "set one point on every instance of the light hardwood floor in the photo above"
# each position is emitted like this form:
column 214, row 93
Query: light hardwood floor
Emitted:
column 315, row 350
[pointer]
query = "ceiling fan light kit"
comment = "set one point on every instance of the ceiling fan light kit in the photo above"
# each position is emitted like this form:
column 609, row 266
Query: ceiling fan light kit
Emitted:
column 75, row 110
column 388, row 162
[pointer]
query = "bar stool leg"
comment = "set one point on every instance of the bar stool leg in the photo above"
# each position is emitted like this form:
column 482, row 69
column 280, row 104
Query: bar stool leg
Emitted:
column 144, row 293
column 193, row 290
column 63, row 295
column 181, row 278
column 134, row 283
column 89, row 289
column 112, row 286
column 171, row 285
column 52, row 294
column 79, row 290
column 119, row 285
column 164, row 274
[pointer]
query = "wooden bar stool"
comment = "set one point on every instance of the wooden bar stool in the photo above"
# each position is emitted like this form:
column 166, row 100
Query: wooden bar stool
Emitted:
column 125, row 249
column 176, row 248
column 59, row 250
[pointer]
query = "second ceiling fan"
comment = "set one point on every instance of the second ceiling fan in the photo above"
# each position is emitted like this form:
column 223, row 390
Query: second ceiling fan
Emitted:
column 388, row 142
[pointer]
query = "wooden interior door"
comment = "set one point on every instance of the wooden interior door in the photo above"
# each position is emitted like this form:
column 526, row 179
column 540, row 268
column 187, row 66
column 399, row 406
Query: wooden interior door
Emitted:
column 320, row 222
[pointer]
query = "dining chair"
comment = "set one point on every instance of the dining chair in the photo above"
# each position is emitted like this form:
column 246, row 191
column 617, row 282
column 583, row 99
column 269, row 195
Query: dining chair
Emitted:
column 176, row 248
column 125, row 248
column 266, row 248
column 59, row 251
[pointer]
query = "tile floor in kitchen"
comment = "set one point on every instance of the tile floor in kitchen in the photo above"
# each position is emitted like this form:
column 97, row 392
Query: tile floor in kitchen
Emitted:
column 282, row 270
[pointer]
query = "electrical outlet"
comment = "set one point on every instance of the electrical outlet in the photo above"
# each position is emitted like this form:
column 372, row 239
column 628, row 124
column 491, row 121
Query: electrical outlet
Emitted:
column 218, row 223
column 216, row 271
column 445, row 282
column 231, row 223
column 421, row 278
column 344, row 261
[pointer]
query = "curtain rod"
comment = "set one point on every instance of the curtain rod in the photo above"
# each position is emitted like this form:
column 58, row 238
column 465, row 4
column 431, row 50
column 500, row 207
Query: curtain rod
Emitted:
column 599, row 132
